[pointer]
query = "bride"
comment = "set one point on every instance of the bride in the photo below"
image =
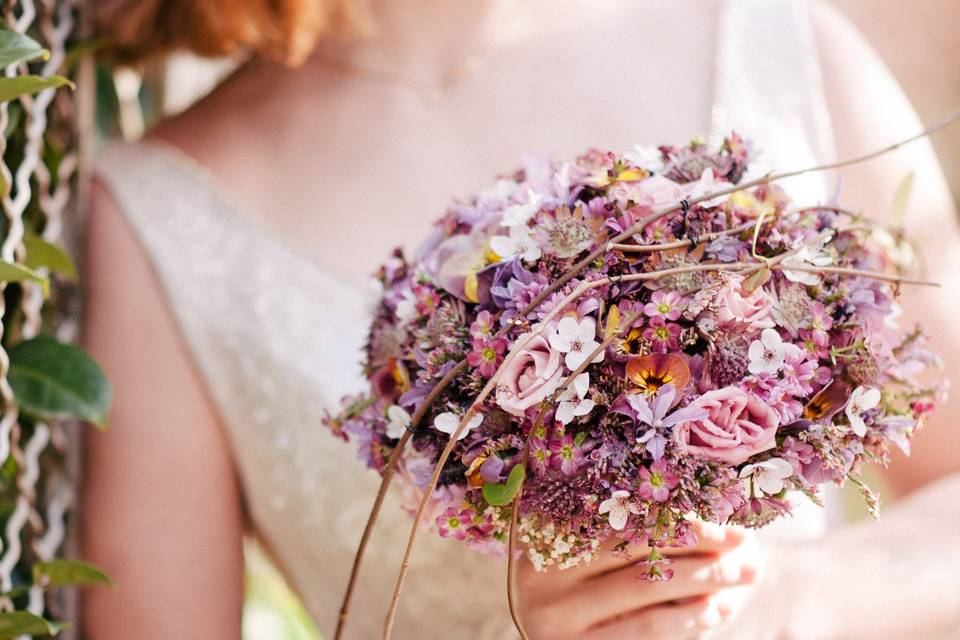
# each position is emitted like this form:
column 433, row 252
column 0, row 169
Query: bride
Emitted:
column 228, row 253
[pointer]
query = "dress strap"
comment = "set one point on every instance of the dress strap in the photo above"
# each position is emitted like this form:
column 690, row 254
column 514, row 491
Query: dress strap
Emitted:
column 769, row 87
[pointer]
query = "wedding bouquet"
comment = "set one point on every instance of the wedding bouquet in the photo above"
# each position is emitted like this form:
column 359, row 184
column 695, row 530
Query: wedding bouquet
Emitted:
column 607, row 348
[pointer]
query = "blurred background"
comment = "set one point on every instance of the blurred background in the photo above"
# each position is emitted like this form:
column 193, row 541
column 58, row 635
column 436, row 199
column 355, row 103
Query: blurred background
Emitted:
column 917, row 40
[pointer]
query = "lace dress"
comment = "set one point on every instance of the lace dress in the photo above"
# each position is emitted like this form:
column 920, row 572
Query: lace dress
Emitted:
column 278, row 339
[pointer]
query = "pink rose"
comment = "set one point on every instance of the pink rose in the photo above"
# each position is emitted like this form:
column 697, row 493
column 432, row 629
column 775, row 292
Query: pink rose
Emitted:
column 737, row 426
column 532, row 375
column 733, row 303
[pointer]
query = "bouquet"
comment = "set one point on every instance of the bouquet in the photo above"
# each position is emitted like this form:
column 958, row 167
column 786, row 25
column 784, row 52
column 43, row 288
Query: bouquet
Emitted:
column 606, row 348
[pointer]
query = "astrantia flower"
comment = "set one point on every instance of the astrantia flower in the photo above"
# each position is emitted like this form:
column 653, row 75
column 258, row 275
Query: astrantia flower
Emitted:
column 486, row 355
column 576, row 339
column 768, row 476
column 574, row 401
column 398, row 421
column 657, row 482
column 482, row 326
column 619, row 506
column 664, row 304
column 862, row 400
column 767, row 354
column 663, row 336
column 448, row 422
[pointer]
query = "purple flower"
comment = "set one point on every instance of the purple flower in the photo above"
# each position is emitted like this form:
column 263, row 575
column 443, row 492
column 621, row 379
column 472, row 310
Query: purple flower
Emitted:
column 453, row 523
column 486, row 355
column 657, row 482
column 540, row 455
column 656, row 417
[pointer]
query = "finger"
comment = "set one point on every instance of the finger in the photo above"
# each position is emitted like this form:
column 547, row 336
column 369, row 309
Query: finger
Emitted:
column 711, row 539
column 665, row 621
column 619, row 592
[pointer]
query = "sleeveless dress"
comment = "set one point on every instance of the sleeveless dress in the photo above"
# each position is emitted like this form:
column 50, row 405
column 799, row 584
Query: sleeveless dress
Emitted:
column 278, row 339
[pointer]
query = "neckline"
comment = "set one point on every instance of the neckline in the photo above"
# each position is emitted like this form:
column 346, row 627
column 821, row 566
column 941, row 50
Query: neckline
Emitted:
column 240, row 213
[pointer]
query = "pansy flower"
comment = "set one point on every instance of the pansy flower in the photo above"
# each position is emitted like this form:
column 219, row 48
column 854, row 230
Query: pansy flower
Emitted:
column 652, row 371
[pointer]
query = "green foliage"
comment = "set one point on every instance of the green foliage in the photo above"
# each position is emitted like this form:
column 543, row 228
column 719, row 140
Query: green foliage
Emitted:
column 11, row 272
column 51, row 379
column 17, row 623
column 41, row 253
column 17, row 47
column 499, row 495
column 13, row 88
column 69, row 573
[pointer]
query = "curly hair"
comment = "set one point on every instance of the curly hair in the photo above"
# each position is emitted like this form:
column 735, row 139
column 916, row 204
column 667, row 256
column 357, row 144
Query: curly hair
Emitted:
column 286, row 30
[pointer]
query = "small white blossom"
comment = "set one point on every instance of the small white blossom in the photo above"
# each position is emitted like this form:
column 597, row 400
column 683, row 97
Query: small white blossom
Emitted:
column 619, row 507
column 520, row 242
column 646, row 157
column 448, row 422
column 862, row 399
column 767, row 354
column 573, row 402
column 807, row 258
column 398, row 421
column 577, row 339
column 407, row 307
column 520, row 214
column 768, row 476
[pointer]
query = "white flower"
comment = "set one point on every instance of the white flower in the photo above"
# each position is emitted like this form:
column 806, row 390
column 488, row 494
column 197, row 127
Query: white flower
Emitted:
column 500, row 191
column 861, row 400
column 645, row 157
column 577, row 340
column 768, row 476
column 807, row 258
column 519, row 243
column 448, row 422
column 619, row 507
column 767, row 354
column 573, row 402
column 520, row 214
column 398, row 421
column 407, row 307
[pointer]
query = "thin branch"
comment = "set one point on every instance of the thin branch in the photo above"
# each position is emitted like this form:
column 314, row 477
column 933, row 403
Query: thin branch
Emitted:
column 678, row 244
column 873, row 275
column 388, row 473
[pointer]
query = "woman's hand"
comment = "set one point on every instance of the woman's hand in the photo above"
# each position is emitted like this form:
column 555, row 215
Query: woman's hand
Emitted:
column 609, row 600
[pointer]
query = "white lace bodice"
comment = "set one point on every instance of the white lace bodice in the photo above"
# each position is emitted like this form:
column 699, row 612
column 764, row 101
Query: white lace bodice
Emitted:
column 278, row 339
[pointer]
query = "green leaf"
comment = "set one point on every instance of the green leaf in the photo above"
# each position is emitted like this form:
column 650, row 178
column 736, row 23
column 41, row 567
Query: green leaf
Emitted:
column 41, row 253
column 12, row 272
column 68, row 573
column 499, row 495
column 18, row 623
column 17, row 47
column 13, row 88
column 51, row 379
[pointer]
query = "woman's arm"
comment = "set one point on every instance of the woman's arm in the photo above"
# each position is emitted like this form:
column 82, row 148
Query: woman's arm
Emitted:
column 161, row 507
column 896, row 578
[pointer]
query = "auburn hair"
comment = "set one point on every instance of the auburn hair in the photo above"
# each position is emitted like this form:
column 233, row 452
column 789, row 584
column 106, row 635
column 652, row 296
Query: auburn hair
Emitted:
column 286, row 30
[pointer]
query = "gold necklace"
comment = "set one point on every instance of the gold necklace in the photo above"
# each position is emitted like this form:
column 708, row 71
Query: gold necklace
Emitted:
column 429, row 92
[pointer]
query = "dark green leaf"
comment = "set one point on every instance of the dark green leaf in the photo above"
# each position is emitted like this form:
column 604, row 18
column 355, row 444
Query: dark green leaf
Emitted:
column 41, row 253
column 13, row 88
column 16, row 47
column 11, row 272
column 51, row 379
column 499, row 495
column 18, row 623
column 68, row 573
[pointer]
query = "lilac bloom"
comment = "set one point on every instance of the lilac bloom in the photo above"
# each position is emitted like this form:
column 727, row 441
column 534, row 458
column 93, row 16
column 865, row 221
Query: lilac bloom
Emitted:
column 655, row 416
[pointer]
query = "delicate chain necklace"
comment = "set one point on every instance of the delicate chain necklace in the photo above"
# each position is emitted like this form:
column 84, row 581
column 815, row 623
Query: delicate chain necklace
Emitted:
column 429, row 92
